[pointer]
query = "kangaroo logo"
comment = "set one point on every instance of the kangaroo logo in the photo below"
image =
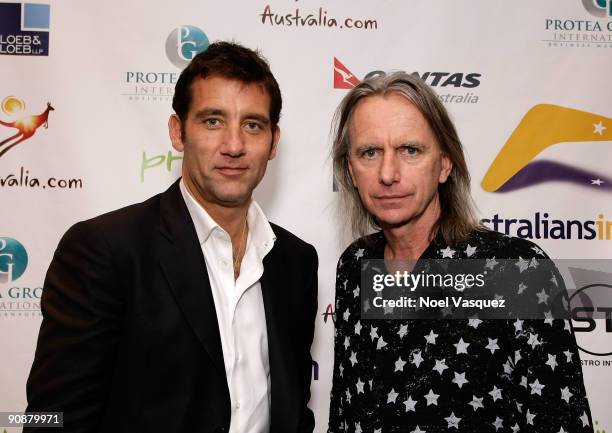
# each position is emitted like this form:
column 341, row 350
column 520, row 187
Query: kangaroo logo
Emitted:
column 26, row 125
column 343, row 78
column 598, row 8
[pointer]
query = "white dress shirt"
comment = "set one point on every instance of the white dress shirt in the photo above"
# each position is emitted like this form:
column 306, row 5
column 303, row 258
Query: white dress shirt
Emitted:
column 240, row 312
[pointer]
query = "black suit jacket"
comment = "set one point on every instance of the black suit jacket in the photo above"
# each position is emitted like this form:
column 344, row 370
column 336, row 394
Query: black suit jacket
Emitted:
column 130, row 342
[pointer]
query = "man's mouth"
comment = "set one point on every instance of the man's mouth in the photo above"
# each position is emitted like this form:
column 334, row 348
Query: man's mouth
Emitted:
column 231, row 170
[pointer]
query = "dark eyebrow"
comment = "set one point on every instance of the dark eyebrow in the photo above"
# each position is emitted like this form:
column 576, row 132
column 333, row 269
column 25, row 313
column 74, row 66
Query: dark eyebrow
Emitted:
column 259, row 117
column 413, row 143
column 205, row 112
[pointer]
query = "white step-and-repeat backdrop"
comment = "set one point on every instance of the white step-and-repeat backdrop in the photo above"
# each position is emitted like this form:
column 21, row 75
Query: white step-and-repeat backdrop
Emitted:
column 86, row 91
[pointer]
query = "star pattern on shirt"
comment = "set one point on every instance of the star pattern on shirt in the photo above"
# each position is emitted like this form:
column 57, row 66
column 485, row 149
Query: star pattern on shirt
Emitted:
column 470, row 250
column 402, row 331
column 474, row 323
column 460, row 379
column 431, row 337
column 476, row 403
column 492, row 346
column 536, row 387
column 440, row 366
column 410, row 404
column 417, row 358
column 495, row 393
column 522, row 264
column 392, row 396
column 452, row 420
column 461, row 346
column 542, row 297
column 359, row 386
column 432, row 398
column 399, row 364
column 458, row 375
column 566, row 394
column 552, row 361
column 447, row 252
column 358, row 327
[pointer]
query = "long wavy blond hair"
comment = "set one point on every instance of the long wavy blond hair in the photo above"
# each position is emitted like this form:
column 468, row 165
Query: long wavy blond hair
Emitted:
column 457, row 218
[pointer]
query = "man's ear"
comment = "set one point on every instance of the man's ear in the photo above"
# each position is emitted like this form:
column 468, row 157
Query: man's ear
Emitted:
column 176, row 133
column 275, row 140
column 447, row 166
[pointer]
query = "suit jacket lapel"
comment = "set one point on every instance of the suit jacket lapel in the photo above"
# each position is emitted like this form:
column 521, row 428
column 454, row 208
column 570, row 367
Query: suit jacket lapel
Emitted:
column 275, row 292
column 183, row 265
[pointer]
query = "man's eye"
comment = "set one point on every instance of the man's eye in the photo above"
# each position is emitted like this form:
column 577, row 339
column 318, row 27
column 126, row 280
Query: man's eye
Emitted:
column 410, row 150
column 253, row 126
column 369, row 153
column 212, row 122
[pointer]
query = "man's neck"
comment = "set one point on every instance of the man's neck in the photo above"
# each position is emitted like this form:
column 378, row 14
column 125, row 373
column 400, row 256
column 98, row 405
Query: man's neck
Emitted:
column 231, row 219
column 411, row 239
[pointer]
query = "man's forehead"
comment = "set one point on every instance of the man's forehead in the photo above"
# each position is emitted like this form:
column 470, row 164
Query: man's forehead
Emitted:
column 216, row 92
column 384, row 110
column 219, row 82
column 390, row 117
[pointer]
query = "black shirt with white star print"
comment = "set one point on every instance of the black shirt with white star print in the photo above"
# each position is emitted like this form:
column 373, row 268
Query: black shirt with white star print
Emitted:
column 473, row 375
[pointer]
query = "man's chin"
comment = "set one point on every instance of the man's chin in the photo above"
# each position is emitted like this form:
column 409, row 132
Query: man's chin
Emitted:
column 233, row 199
column 391, row 220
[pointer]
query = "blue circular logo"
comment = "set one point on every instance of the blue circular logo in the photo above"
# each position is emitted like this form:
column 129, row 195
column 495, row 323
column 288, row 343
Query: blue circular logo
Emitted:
column 184, row 43
column 598, row 8
column 13, row 260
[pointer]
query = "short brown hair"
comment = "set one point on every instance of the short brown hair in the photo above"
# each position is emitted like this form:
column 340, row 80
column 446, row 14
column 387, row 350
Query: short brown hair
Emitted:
column 232, row 61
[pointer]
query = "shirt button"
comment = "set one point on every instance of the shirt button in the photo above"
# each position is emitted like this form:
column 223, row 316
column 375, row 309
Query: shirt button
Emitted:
column 238, row 405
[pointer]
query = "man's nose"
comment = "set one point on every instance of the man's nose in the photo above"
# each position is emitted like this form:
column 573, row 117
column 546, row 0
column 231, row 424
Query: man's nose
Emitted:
column 233, row 142
column 389, row 169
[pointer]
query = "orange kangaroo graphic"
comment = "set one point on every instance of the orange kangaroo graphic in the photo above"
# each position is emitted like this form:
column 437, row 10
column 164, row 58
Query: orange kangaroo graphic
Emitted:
column 27, row 126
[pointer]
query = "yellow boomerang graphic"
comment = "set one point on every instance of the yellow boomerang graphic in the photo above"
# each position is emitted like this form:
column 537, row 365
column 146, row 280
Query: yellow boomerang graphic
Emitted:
column 543, row 126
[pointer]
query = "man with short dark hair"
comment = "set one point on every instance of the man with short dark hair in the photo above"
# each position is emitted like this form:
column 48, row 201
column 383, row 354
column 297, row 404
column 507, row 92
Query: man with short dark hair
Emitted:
column 189, row 312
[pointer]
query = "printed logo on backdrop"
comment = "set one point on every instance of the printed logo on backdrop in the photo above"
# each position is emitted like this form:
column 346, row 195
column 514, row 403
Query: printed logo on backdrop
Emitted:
column 329, row 314
column 314, row 19
column 13, row 260
column 598, row 8
column 15, row 300
column 18, row 125
column 592, row 313
column 181, row 45
column 184, row 43
column 24, row 29
column 593, row 30
column 17, row 118
column 448, row 85
column 585, row 320
column 522, row 163
column 515, row 167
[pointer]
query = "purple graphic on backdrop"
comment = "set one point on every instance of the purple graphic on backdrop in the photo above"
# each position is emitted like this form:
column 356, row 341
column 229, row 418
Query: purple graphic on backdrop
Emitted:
column 543, row 171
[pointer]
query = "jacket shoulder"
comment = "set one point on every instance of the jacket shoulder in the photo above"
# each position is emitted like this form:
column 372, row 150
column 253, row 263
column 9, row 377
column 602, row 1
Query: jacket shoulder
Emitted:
column 125, row 222
column 366, row 247
column 494, row 244
column 288, row 240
